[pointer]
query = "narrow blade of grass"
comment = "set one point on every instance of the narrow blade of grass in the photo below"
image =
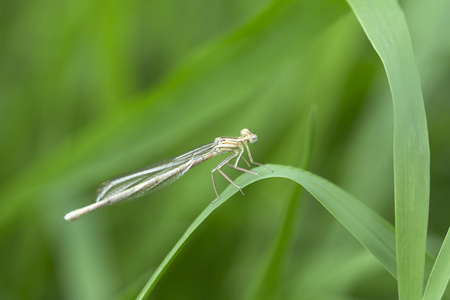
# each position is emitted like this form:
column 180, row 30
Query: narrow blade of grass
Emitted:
column 440, row 275
column 385, row 25
column 374, row 233
column 265, row 287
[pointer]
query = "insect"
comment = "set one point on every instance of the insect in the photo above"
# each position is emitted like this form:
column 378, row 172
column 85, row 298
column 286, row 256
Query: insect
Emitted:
column 159, row 175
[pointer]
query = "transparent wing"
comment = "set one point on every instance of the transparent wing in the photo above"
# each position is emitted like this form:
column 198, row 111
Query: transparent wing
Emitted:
column 142, row 181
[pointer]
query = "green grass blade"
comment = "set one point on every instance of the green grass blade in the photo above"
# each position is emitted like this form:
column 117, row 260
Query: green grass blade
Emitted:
column 368, row 227
column 440, row 275
column 385, row 26
column 265, row 287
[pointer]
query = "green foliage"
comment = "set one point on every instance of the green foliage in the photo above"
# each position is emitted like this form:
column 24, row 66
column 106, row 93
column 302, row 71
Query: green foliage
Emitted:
column 386, row 28
column 90, row 90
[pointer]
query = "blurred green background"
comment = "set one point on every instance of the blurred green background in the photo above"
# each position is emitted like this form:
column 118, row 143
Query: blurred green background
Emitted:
column 93, row 89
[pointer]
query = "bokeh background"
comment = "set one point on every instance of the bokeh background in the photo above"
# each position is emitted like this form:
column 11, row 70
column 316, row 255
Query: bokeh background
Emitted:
column 93, row 89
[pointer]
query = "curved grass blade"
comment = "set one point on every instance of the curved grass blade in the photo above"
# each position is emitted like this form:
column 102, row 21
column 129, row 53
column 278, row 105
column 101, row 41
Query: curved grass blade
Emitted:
column 440, row 275
column 385, row 26
column 374, row 233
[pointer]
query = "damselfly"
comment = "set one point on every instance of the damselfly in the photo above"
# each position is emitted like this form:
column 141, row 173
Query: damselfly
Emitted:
column 149, row 179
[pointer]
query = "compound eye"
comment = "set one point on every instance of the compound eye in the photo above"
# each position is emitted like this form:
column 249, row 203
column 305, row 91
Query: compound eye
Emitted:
column 245, row 131
column 253, row 139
